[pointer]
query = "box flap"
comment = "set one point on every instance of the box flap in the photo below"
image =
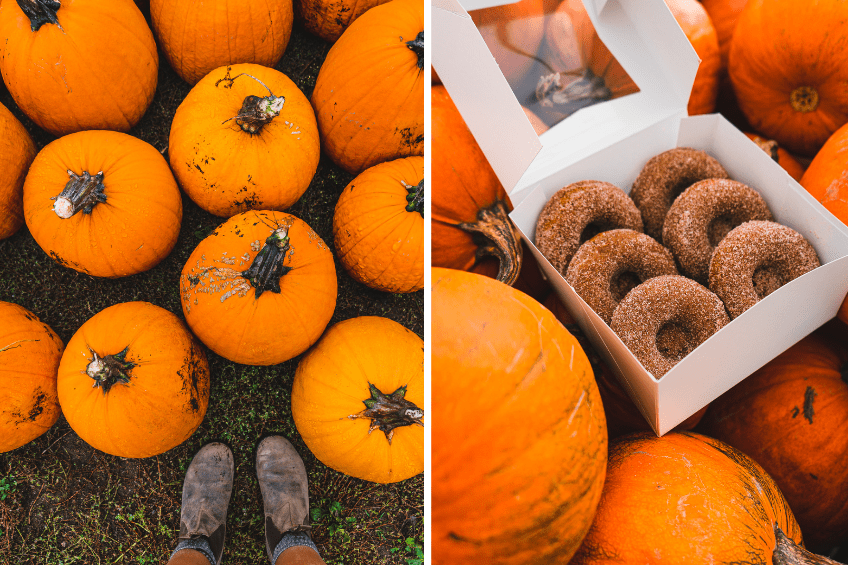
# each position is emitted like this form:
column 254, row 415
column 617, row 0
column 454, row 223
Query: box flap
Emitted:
column 642, row 35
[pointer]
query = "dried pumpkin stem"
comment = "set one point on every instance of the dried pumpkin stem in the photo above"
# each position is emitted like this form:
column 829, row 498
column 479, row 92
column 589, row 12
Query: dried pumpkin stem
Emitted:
column 388, row 412
column 415, row 198
column 417, row 46
column 40, row 12
column 109, row 370
column 82, row 192
column 568, row 92
column 495, row 236
column 267, row 267
column 769, row 146
column 804, row 99
column 256, row 111
column 787, row 552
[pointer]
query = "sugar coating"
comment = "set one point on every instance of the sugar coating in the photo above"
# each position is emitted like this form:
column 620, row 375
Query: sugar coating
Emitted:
column 612, row 263
column 702, row 215
column 665, row 318
column 578, row 212
column 754, row 260
column 664, row 177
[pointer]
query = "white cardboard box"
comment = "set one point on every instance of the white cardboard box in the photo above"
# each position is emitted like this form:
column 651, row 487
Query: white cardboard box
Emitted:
column 612, row 141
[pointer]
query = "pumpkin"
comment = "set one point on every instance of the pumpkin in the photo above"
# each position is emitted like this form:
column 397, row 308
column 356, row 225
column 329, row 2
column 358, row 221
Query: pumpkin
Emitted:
column 622, row 415
column 244, row 138
column 688, row 498
column 16, row 152
column 829, row 167
column 518, row 435
column 328, row 19
column 780, row 155
column 103, row 203
column 357, row 400
column 578, row 70
column 378, row 226
column 260, row 289
column 369, row 95
column 469, row 206
column 133, row 382
column 699, row 29
column 788, row 69
column 723, row 14
column 29, row 359
column 791, row 417
column 198, row 36
column 79, row 64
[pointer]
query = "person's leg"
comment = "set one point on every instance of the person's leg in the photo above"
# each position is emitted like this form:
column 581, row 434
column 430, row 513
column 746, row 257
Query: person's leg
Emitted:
column 285, row 496
column 206, row 495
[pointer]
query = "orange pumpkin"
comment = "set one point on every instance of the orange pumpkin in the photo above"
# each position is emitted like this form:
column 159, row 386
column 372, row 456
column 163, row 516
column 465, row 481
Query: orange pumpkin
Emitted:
column 198, row 36
column 369, row 95
column 699, row 29
column 518, row 435
column 378, row 226
column 244, row 138
column 16, row 152
column 787, row 66
column 469, row 207
column 724, row 14
column 260, row 289
column 687, row 498
column 79, row 64
column 103, row 203
column 133, row 382
column 29, row 359
column 357, row 400
column 829, row 167
column 780, row 155
column 328, row 19
column 791, row 417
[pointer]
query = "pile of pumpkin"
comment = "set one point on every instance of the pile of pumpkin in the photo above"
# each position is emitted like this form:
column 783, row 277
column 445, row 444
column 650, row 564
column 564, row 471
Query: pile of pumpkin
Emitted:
column 557, row 463
column 244, row 145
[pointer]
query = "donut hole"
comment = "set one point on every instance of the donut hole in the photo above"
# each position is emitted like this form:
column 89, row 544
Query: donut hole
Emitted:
column 674, row 340
column 767, row 278
column 719, row 228
column 594, row 228
column 623, row 283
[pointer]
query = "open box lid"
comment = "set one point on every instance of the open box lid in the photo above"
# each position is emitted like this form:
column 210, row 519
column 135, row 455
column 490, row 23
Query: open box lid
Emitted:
column 641, row 34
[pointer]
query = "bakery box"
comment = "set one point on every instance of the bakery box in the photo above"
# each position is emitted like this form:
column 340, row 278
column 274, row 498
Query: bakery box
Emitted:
column 611, row 140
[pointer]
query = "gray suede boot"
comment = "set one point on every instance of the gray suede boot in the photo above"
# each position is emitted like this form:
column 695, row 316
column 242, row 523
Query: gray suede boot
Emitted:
column 285, row 494
column 206, row 495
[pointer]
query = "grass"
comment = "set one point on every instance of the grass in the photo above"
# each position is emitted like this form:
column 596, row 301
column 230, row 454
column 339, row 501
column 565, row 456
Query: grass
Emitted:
column 63, row 502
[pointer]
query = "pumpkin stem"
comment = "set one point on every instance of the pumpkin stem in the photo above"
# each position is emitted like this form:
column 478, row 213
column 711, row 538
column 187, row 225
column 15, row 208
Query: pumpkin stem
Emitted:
column 106, row 371
column 388, row 412
column 256, row 111
column 267, row 267
column 569, row 92
column 40, row 12
column 417, row 46
column 82, row 192
column 804, row 99
column 769, row 146
column 495, row 237
column 415, row 198
column 787, row 552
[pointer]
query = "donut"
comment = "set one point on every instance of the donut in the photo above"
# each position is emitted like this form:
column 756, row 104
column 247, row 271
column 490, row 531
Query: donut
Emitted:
column 665, row 318
column 702, row 215
column 754, row 260
column 612, row 263
column 664, row 177
column 577, row 213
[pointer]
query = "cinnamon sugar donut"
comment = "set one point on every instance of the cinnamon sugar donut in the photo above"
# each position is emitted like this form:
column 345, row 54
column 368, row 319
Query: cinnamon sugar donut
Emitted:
column 578, row 212
column 665, row 318
column 612, row 263
column 703, row 215
column 754, row 260
column 664, row 177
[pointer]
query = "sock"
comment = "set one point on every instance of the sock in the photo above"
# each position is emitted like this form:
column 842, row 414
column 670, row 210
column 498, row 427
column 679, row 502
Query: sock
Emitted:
column 291, row 539
column 200, row 544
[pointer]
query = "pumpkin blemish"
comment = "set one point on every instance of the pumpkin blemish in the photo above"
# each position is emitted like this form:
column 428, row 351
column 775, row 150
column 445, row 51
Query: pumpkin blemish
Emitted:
column 809, row 397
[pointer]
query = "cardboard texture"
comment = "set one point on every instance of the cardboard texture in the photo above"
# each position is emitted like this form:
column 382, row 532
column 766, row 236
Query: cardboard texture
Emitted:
column 612, row 141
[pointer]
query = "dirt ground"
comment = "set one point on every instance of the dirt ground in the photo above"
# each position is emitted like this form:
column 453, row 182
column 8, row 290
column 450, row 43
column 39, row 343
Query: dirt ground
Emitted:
column 61, row 501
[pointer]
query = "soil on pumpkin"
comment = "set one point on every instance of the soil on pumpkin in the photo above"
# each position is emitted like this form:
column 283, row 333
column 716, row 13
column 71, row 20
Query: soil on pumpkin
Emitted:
column 62, row 501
